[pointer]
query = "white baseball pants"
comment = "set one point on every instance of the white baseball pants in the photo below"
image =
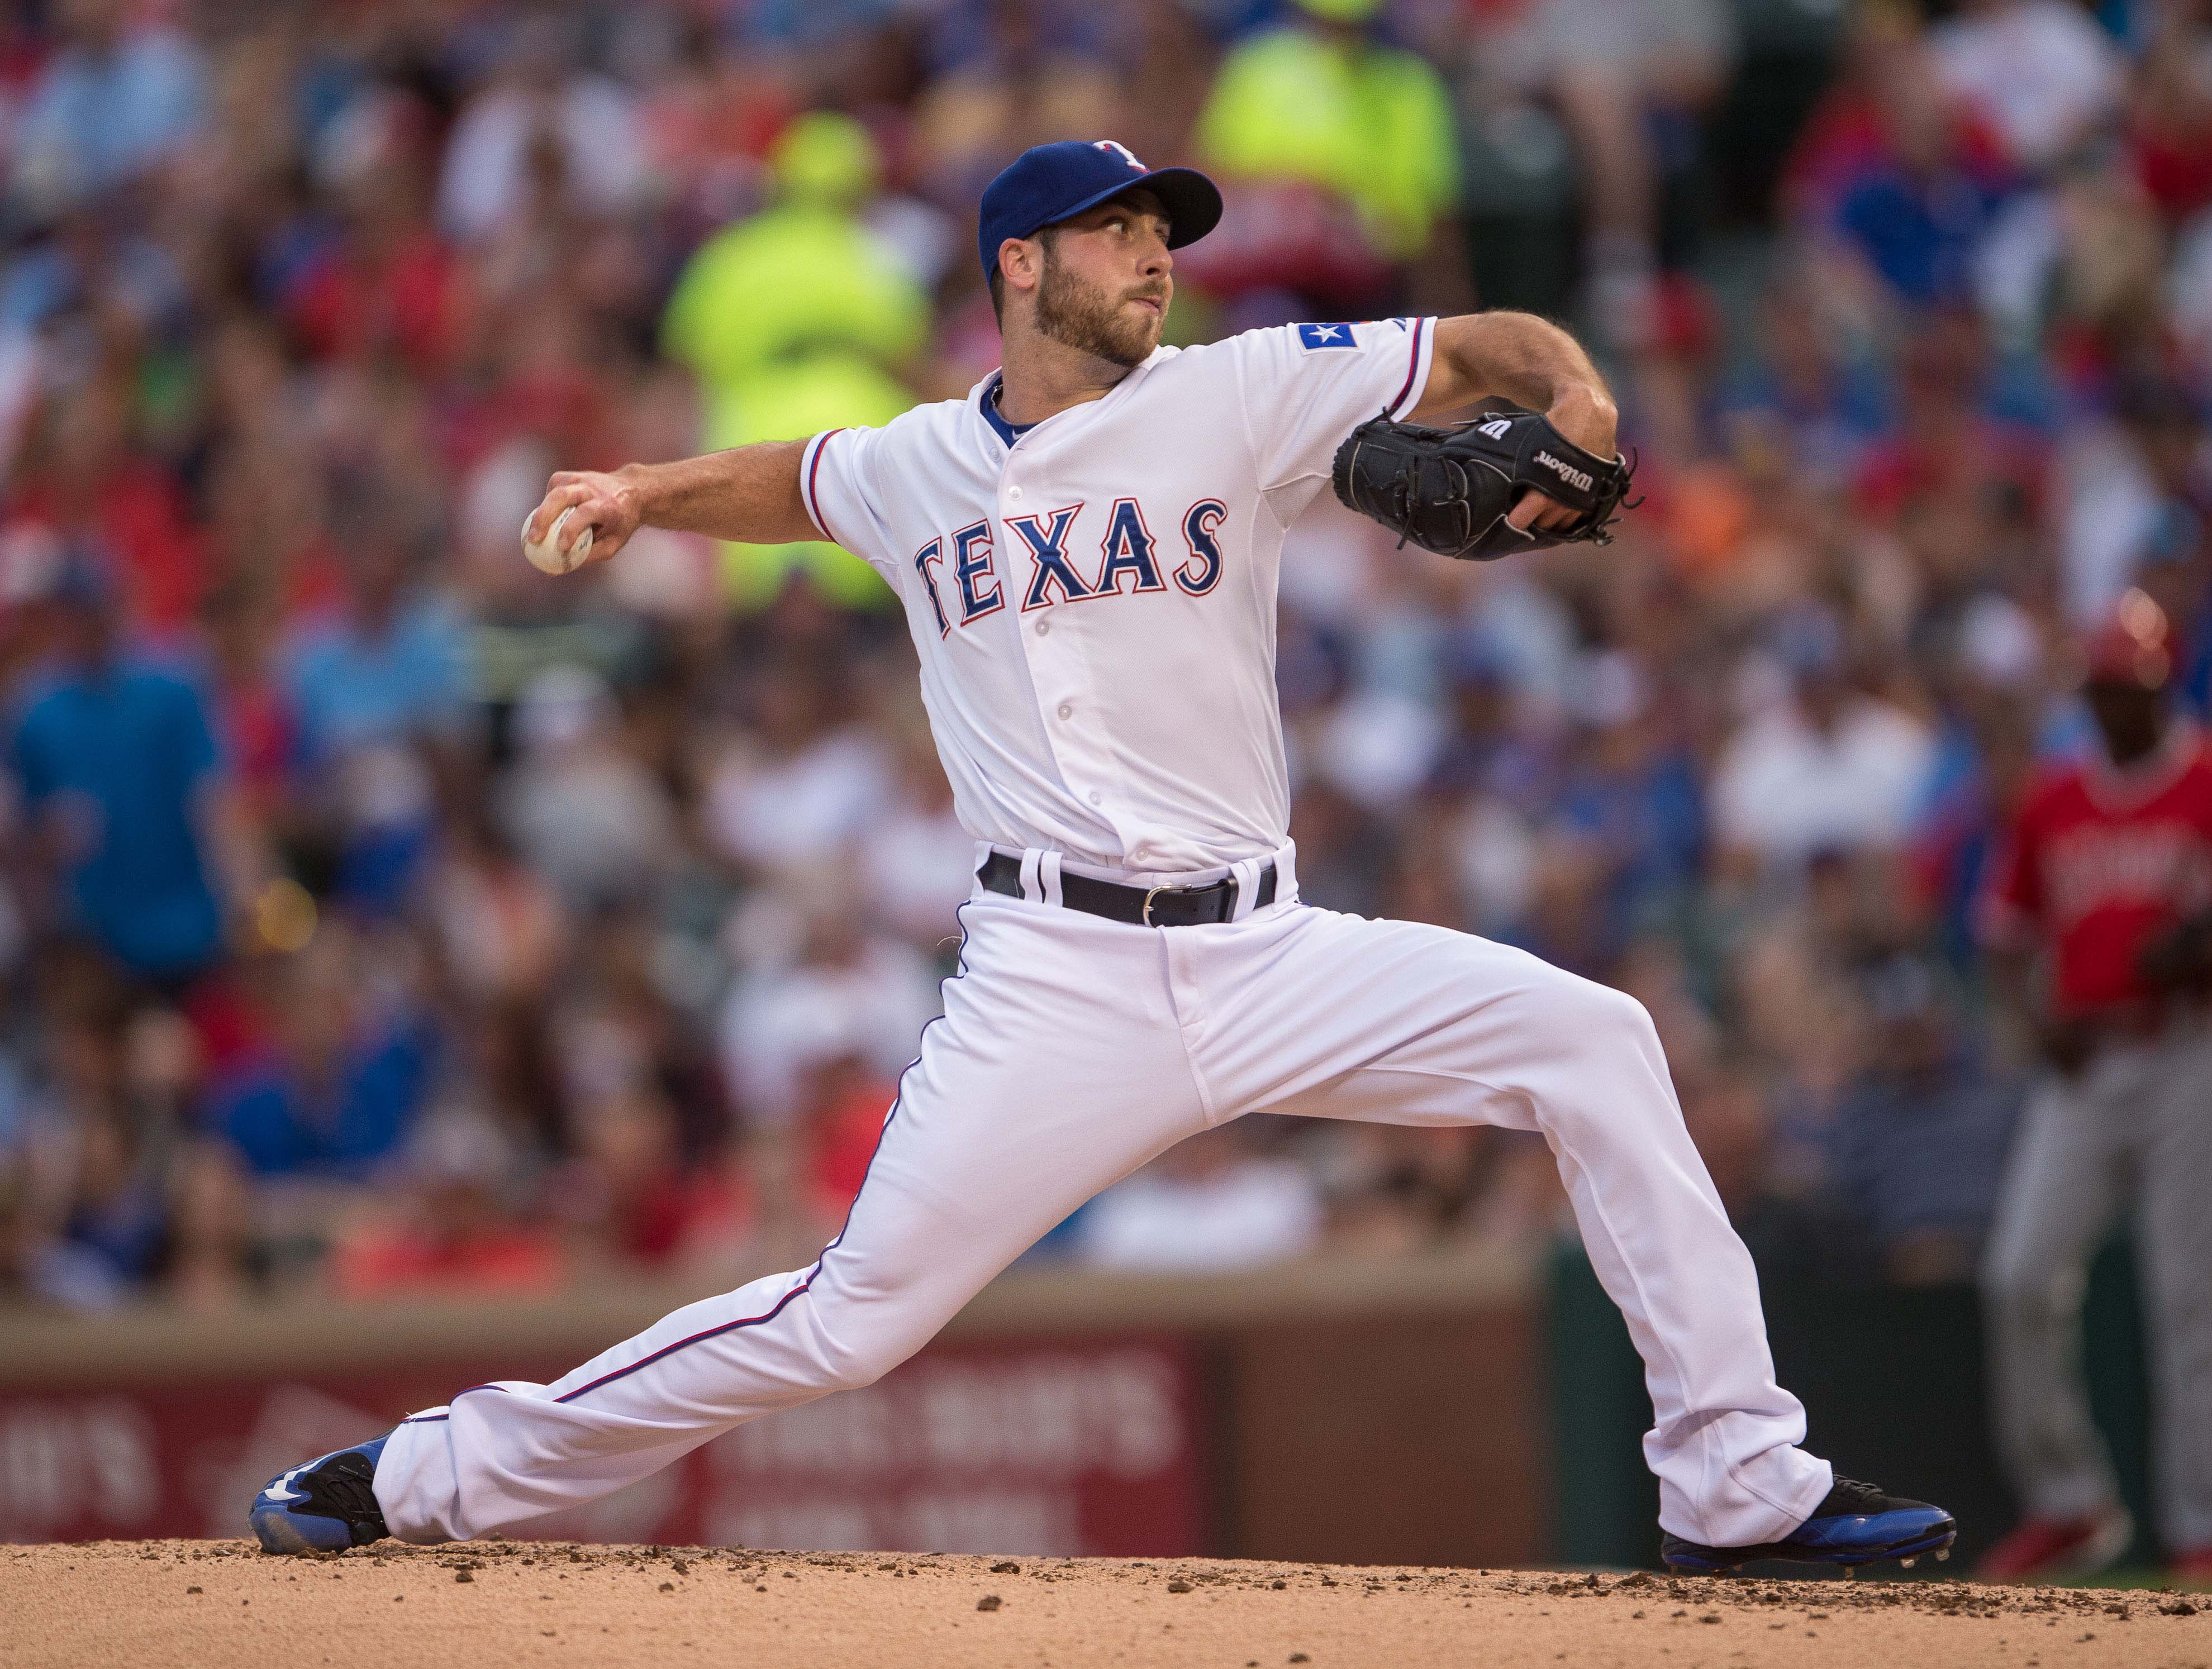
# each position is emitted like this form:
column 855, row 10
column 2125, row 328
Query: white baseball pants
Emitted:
column 1074, row 1049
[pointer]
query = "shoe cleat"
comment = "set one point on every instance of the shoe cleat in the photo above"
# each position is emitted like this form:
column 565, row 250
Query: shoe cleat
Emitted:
column 327, row 1506
column 1906, row 1564
column 1856, row 1525
column 1942, row 1555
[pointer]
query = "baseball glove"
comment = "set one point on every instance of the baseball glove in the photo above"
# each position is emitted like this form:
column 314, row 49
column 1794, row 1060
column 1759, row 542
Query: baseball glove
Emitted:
column 1448, row 489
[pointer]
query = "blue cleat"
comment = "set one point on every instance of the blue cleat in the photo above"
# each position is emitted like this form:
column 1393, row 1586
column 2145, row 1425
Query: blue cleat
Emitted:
column 325, row 1506
column 1856, row 1525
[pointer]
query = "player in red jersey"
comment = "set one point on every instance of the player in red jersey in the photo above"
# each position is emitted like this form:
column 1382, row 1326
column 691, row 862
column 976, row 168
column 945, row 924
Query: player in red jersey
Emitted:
column 2105, row 884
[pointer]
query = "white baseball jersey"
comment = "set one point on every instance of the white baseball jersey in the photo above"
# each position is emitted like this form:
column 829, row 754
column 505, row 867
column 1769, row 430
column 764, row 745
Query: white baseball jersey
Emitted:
column 1094, row 597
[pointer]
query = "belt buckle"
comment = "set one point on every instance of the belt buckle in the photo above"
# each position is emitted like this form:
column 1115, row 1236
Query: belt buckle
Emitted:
column 1144, row 914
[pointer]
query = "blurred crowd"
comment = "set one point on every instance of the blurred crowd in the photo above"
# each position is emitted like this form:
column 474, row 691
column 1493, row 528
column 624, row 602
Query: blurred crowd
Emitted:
column 380, row 916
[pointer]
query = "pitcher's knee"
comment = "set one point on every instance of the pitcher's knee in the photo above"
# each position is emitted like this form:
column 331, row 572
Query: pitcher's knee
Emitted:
column 856, row 1345
column 1594, row 1060
column 854, row 1366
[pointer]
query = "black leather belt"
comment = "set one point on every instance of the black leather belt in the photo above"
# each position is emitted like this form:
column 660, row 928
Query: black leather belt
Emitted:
column 1139, row 907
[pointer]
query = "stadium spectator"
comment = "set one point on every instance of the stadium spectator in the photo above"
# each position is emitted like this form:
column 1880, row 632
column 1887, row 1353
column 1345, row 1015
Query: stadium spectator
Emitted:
column 1321, row 106
column 635, row 1202
column 823, row 986
column 212, row 1258
column 1919, row 1131
column 798, row 320
column 454, row 1231
column 582, row 812
column 2041, row 72
column 118, row 100
column 1629, row 84
column 335, row 1086
column 801, row 781
column 918, row 859
column 126, row 806
column 540, row 124
column 391, row 667
column 1830, row 768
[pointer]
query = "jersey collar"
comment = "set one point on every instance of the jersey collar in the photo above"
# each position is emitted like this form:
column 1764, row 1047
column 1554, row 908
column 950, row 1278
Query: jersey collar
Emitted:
column 987, row 400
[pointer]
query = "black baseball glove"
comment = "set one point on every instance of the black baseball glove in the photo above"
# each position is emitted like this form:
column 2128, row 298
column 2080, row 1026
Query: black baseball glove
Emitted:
column 1448, row 489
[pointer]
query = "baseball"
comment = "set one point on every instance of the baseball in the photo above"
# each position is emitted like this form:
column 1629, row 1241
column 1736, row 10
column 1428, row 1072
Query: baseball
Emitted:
column 546, row 555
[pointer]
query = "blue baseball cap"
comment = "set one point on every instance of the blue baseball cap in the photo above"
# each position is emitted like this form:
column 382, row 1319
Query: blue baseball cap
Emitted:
column 1049, row 182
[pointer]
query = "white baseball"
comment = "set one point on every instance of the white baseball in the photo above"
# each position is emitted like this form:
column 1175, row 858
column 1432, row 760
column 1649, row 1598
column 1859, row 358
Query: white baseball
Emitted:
column 546, row 554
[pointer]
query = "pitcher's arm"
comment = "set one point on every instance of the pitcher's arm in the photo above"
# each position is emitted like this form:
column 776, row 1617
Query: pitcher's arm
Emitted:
column 750, row 494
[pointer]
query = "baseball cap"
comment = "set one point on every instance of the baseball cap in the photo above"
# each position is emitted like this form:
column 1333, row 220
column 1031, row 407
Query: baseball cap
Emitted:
column 1050, row 183
column 2133, row 647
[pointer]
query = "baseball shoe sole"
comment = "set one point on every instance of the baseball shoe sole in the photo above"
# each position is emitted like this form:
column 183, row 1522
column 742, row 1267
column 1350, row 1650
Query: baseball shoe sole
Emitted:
column 1856, row 1525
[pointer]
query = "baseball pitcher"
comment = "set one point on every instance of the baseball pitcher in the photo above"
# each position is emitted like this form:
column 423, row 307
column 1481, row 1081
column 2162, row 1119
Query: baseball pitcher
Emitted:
column 1087, row 548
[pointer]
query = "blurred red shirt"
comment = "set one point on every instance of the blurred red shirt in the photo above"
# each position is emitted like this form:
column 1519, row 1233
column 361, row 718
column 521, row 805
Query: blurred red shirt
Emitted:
column 394, row 1259
column 2098, row 862
column 351, row 301
column 138, row 509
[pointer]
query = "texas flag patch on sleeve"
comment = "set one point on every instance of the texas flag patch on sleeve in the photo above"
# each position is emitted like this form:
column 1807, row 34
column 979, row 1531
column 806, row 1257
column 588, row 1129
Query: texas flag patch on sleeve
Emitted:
column 1326, row 336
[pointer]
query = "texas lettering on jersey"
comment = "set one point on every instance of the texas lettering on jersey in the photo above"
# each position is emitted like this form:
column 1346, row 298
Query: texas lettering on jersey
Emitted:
column 1049, row 566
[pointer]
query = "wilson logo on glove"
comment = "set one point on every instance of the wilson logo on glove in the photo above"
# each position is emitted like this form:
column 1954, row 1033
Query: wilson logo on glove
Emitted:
column 1580, row 478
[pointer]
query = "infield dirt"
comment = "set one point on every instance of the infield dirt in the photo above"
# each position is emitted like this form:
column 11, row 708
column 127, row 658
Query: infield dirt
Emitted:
column 488, row 1604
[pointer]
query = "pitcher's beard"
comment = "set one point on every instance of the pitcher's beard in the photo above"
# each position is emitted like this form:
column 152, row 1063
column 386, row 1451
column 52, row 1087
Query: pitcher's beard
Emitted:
column 1084, row 320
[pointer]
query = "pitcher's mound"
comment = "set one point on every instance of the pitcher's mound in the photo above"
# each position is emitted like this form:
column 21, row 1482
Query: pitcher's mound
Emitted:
column 222, row 1604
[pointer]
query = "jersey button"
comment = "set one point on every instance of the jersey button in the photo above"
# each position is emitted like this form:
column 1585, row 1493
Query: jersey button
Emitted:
column 1066, row 711
column 1043, row 626
column 1014, row 492
column 1097, row 799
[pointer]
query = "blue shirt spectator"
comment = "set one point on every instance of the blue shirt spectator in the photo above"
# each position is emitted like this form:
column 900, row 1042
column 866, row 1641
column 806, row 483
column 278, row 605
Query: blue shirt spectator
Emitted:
column 1649, row 816
column 109, row 107
column 116, row 756
column 362, row 681
column 1920, row 233
column 290, row 1121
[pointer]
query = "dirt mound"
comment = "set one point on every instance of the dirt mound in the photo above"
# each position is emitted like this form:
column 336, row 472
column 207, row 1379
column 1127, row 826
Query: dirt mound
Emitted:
column 500, row 1603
